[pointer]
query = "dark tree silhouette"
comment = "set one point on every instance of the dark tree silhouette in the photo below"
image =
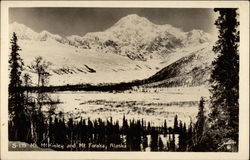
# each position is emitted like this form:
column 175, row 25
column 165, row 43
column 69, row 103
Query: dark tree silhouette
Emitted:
column 225, row 79
column 16, row 94
column 176, row 128
column 199, row 126
column 184, row 136
column 190, row 136
column 27, row 80
column 165, row 128
column 181, row 137
column 16, row 66
column 154, row 140
column 200, row 142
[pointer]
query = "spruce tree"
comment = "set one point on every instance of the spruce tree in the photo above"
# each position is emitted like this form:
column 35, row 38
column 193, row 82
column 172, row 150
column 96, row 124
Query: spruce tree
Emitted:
column 16, row 94
column 190, row 136
column 172, row 143
column 199, row 126
column 199, row 139
column 184, row 136
column 181, row 137
column 176, row 128
column 165, row 128
column 224, row 115
column 154, row 140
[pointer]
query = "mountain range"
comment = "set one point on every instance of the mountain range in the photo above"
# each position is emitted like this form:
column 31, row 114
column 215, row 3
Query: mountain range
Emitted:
column 132, row 49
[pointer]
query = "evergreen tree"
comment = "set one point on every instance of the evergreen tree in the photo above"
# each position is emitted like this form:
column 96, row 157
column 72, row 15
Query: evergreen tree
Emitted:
column 16, row 94
column 149, row 127
column 154, row 140
column 190, row 136
column 199, row 126
column 181, row 137
column 40, row 127
column 124, row 125
column 165, row 130
column 176, row 128
column 70, row 131
column 101, row 131
column 199, row 137
column 224, row 116
column 184, row 136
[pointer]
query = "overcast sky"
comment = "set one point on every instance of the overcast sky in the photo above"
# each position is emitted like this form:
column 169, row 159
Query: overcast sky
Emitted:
column 79, row 21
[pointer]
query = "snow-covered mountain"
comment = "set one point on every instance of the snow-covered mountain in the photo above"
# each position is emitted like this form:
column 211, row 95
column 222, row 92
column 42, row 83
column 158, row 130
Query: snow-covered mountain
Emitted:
column 133, row 48
column 138, row 38
column 25, row 33
column 192, row 70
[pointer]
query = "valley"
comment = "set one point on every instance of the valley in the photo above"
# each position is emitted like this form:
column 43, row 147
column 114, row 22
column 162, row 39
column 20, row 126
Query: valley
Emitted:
column 152, row 105
column 132, row 49
column 135, row 69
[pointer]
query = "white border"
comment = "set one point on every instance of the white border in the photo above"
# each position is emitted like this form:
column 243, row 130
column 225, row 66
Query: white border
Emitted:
column 244, row 81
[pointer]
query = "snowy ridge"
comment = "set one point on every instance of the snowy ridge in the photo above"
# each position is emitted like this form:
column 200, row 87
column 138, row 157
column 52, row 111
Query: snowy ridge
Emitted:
column 23, row 32
column 133, row 48
column 132, row 36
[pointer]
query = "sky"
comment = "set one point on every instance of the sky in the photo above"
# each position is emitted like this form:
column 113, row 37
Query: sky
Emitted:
column 79, row 21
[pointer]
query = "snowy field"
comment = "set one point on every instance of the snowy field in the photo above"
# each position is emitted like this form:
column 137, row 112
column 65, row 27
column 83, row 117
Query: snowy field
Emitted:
column 154, row 105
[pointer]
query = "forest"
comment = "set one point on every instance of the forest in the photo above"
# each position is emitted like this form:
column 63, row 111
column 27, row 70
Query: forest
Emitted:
column 99, row 135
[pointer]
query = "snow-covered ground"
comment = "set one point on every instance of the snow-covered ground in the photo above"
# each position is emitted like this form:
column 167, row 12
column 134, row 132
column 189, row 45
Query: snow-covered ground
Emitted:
column 132, row 49
column 155, row 105
column 110, row 68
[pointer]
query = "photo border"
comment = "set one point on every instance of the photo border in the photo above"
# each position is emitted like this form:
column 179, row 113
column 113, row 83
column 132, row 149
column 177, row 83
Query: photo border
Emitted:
column 243, row 152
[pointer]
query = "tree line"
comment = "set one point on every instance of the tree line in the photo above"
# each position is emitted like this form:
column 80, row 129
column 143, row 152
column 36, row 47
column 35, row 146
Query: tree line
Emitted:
column 109, row 135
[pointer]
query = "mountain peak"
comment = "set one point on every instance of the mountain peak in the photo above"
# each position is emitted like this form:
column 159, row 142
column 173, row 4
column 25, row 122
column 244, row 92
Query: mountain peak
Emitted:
column 17, row 26
column 133, row 16
column 22, row 31
column 132, row 19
